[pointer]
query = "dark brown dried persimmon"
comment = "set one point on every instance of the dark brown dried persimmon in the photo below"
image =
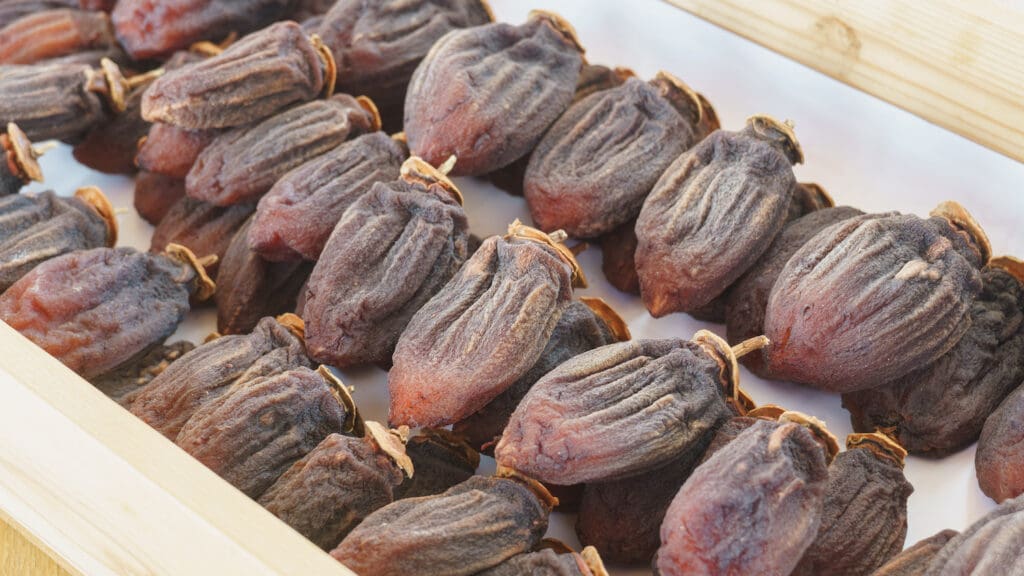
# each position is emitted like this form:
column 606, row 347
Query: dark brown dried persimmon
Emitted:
column 295, row 218
column 251, row 80
column 211, row 369
column 473, row 526
column 483, row 330
column 871, row 298
column 735, row 185
column 252, row 433
column 95, row 310
column 594, row 167
column 242, row 164
column 378, row 45
column 487, row 94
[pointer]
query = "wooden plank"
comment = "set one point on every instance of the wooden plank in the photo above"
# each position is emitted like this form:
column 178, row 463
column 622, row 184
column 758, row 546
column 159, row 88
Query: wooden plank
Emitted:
column 109, row 495
column 957, row 64
column 19, row 556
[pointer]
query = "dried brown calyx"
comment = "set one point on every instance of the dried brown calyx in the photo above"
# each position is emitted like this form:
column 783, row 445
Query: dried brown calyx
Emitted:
column 98, row 201
column 416, row 169
column 683, row 98
column 21, row 156
column 709, row 116
column 112, row 84
column 330, row 69
column 778, row 133
column 204, row 286
column 555, row 545
column 609, row 316
column 208, row 48
column 881, row 444
column 767, row 412
column 593, row 561
column 371, row 107
column 718, row 349
column 825, row 438
column 391, row 442
column 353, row 421
column 561, row 25
column 961, row 220
column 451, row 441
column 294, row 324
column 555, row 240
column 488, row 10
column 817, row 196
column 1011, row 265
column 536, row 487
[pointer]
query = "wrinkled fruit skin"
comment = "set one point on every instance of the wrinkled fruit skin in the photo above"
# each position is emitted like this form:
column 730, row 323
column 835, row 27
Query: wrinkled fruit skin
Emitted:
column 333, row 488
column 252, row 288
column 593, row 78
column 202, row 228
column 616, row 411
column 255, row 431
column 469, row 528
column 594, row 167
column 49, row 101
column 914, row 560
column 543, row 562
column 207, row 372
column 11, row 10
column 731, row 185
column 864, row 520
column 867, row 300
column 479, row 334
column 487, row 94
column 392, row 251
column 440, row 459
column 53, row 33
column 578, row 330
column 110, row 147
column 748, row 297
column 726, row 433
column 622, row 518
column 999, row 461
column 35, row 228
column 154, row 28
column 378, row 45
column 123, row 384
column 156, row 194
column 990, row 547
column 253, row 79
column 172, row 151
column 940, row 409
column 295, row 218
column 96, row 309
column 243, row 164
column 618, row 248
column 752, row 508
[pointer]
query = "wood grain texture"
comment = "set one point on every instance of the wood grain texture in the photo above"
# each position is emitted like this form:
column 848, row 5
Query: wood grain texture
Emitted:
column 954, row 63
column 108, row 495
column 20, row 557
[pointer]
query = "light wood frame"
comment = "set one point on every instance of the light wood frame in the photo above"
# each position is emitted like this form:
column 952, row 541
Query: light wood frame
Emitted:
column 105, row 494
column 956, row 63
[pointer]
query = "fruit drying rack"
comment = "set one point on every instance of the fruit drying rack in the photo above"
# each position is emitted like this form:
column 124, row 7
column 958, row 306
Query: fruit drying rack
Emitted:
column 102, row 493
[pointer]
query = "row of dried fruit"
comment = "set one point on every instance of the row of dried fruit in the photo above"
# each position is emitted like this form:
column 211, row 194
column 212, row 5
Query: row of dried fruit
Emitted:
column 736, row 185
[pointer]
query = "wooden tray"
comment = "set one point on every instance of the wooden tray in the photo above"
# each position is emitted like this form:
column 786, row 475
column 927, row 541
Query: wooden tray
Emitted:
column 101, row 493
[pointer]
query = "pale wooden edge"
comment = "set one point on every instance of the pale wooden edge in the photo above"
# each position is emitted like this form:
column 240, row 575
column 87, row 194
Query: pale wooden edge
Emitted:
column 28, row 545
column 108, row 495
column 955, row 64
